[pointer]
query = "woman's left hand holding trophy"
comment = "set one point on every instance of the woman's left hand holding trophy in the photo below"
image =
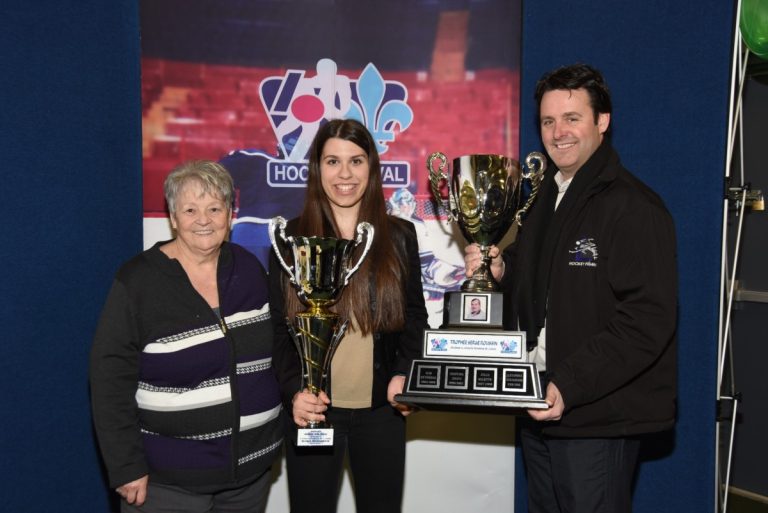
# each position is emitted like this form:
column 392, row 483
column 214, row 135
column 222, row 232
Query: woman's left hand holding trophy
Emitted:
column 308, row 407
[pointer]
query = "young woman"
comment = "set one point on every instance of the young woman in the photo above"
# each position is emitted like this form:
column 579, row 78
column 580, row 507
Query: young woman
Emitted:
column 385, row 304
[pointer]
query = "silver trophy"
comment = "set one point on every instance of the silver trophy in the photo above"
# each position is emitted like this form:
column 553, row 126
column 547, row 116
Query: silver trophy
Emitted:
column 485, row 197
column 321, row 269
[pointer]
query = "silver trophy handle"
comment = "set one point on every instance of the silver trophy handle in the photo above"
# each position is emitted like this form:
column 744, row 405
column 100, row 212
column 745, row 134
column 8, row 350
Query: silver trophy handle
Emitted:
column 435, row 177
column 277, row 224
column 536, row 163
column 366, row 229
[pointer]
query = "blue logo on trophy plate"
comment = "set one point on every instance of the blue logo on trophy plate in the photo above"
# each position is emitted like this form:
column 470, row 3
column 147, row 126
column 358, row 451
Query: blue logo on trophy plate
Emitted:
column 508, row 347
column 439, row 344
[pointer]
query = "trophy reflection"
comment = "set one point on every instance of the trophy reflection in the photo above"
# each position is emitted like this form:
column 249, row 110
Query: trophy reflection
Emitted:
column 320, row 271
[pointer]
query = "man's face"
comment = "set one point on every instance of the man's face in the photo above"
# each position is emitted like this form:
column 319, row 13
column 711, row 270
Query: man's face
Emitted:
column 474, row 306
column 568, row 129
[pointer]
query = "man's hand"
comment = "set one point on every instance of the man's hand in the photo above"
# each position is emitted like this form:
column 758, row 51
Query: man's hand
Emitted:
column 134, row 492
column 555, row 402
column 473, row 258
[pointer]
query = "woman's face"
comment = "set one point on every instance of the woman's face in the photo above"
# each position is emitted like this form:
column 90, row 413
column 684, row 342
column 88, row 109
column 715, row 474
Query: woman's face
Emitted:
column 344, row 171
column 201, row 221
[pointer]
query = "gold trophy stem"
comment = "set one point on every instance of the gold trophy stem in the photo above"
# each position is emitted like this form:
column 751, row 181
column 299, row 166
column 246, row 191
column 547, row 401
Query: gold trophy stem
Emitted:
column 316, row 333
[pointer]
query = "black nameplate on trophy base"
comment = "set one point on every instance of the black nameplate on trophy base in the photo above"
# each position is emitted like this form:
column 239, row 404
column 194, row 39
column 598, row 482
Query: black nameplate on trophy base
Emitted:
column 473, row 383
column 473, row 368
column 473, row 310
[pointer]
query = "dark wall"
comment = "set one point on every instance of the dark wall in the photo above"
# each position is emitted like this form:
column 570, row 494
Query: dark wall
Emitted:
column 71, row 150
column 71, row 154
column 233, row 29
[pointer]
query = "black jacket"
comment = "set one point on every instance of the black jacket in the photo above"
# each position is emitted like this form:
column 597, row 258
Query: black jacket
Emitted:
column 602, row 270
column 393, row 352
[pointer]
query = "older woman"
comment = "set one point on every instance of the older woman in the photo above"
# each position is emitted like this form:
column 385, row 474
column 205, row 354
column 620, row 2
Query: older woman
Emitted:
column 185, row 402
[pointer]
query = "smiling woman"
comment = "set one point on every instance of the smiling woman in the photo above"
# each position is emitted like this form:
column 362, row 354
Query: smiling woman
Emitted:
column 185, row 402
column 199, row 196
column 344, row 171
column 199, row 202
column 384, row 303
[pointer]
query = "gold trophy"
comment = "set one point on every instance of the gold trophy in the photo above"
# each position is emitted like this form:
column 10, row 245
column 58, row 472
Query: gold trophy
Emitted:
column 471, row 360
column 485, row 198
column 321, row 269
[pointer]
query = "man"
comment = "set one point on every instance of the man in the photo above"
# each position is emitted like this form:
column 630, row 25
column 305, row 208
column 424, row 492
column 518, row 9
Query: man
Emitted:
column 592, row 280
column 476, row 310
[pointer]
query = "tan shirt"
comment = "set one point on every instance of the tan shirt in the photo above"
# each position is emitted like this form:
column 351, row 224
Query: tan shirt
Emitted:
column 352, row 370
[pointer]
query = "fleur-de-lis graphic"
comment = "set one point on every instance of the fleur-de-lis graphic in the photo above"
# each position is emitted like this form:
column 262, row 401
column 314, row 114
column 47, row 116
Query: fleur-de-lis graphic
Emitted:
column 379, row 114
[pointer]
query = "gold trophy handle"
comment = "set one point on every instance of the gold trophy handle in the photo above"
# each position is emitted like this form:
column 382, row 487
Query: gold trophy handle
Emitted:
column 277, row 226
column 366, row 229
column 536, row 163
column 435, row 177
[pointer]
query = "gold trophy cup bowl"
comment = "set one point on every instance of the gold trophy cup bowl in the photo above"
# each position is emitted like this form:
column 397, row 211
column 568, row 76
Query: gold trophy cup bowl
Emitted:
column 321, row 269
column 485, row 197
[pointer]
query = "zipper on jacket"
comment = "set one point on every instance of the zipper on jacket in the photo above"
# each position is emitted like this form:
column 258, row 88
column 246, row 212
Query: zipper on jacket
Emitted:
column 234, row 391
column 233, row 386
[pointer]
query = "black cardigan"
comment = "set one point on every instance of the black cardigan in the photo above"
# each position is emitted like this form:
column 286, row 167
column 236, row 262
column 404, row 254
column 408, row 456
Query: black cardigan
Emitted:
column 200, row 447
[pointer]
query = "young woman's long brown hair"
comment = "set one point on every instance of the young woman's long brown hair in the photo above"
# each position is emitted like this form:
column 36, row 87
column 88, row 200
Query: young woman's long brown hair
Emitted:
column 317, row 219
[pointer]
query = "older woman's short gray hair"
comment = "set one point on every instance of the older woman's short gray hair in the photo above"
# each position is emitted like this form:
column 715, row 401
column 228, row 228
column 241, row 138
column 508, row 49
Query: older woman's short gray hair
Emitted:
column 214, row 179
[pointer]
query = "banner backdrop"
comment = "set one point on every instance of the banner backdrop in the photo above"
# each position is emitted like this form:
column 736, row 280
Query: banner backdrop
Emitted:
column 248, row 83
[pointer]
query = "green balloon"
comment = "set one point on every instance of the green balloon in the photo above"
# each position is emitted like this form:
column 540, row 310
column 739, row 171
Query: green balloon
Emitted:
column 754, row 26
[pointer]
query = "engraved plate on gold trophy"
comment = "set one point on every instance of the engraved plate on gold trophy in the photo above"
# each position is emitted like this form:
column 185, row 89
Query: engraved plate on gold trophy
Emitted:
column 321, row 269
column 472, row 360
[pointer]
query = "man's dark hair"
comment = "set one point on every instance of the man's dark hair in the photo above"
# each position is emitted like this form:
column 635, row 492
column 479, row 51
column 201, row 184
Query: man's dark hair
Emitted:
column 577, row 76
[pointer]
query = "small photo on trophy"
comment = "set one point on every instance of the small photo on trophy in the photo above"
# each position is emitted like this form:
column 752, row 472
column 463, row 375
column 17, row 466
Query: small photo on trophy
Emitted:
column 475, row 308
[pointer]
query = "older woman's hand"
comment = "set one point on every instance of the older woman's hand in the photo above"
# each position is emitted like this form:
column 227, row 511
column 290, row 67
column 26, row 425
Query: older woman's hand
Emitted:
column 308, row 407
column 134, row 492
